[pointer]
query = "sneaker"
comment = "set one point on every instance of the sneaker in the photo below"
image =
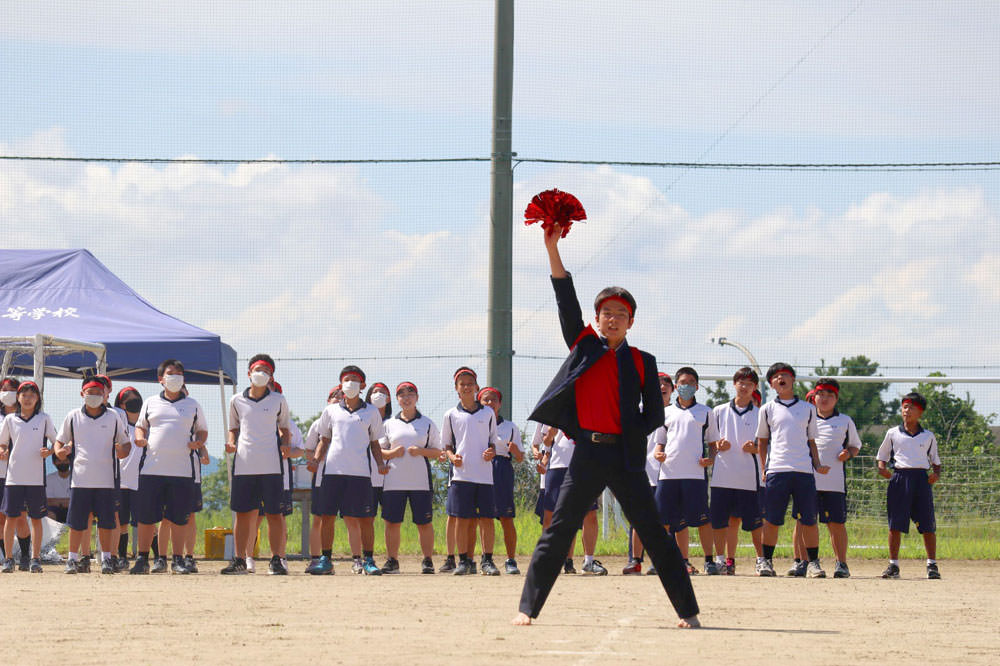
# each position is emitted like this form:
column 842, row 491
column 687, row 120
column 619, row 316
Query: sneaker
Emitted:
column 24, row 563
column 841, row 570
column 765, row 568
column 464, row 568
column 798, row 569
column 120, row 564
column 275, row 567
column 510, row 567
column 72, row 566
column 730, row 566
column 177, row 565
column 651, row 571
column 691, row 569
column 633, row 568
column 141, row 566
column 932, row 572
column 712, row 569
column 313, row 564
column 472, row 566
column 814, row 570
column 237, row 567
column 251, row 566
column 83, row 566
column 489, row 568
column 108, row 566
column 568, row 566
column 595, row 568
column 159, row 565
column 190, row 564
column 357, row 566
column 8, row 566
column 427, row 566
column 35, row 566
column 891, row 571
column 284, row 563
column 371, row 569
column 391, row 566
column 448, row 566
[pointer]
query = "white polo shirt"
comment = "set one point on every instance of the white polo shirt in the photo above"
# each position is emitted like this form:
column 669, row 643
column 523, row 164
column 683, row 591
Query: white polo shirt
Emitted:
column 507, row 432
column 95, row 463
column 24, row 441
column 170, row 425
column 536, row 443
column 562, row 451
column 684, row 433
column 471, row 433
column 735, row 468
column 917, row 451
column 835, row 433
column 129, row 466
column 56, row 487
column 258, row 445
column 789, row 426
column 351, row 434
column 410, row 472
column 652, row 464
column 378, row 480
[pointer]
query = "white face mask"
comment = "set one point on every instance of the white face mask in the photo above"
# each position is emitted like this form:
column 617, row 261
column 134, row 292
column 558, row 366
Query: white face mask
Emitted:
column 351, row 389
column 8, row 398
column 173, row 383
column 93, row 401
column 259, row 378
column 379, row 399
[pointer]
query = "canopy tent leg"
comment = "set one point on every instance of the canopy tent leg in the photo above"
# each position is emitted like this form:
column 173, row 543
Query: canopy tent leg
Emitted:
column 8, row 359
column 39, row 346
column 225, row 436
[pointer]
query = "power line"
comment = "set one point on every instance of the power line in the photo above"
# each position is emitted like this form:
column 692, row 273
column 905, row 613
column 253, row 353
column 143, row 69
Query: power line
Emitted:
column 212, row 160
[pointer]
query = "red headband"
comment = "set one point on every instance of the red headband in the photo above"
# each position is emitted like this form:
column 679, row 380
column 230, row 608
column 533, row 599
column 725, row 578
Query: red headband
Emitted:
column 479, row 395
column 619, row 299
column 332, row 391
column 827, row 387
column 260, row 361
column 126, row 390
column 462, row 371
column 377, row 384
column 905, row 400
column 27, row 385
column 100, row 377
column 403, row 385
column 91, row 384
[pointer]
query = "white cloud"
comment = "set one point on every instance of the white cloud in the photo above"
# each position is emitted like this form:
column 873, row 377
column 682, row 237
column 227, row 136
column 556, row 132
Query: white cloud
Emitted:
column 985, row 275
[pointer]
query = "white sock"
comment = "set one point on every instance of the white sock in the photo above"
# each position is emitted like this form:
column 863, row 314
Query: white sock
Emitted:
column 105, row 556
column 74, row 557
column 896, row 562
column 930, row 561
column 719, row 559
column 587, row 559
column 760, row 559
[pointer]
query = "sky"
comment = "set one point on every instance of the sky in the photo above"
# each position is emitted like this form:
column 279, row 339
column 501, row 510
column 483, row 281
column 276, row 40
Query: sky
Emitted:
column 386, row 265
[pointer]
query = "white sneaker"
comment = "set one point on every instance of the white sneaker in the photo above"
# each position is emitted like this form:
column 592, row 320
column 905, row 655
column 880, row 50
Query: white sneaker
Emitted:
column 814, row 570
column 284, row 563
column 250, row 565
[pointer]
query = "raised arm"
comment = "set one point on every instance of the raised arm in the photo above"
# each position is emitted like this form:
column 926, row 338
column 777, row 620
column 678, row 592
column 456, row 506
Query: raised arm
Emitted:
column 570, row 315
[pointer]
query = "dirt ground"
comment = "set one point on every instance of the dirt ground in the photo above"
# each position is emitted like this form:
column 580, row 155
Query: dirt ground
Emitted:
column 415, row 619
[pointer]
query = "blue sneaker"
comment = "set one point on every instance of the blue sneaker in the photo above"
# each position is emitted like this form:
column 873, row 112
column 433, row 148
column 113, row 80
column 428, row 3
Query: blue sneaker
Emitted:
column 370, row 568
column 322, row 567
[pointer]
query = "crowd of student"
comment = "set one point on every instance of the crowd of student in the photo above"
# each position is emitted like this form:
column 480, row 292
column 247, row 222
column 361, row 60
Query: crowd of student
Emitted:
column 138, row 462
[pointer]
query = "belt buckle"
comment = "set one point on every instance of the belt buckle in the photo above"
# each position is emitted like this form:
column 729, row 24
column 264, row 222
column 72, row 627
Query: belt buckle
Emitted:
column 597, row 437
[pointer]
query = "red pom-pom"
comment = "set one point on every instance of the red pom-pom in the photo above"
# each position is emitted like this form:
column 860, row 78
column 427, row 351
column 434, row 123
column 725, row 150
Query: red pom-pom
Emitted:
column 554, row 207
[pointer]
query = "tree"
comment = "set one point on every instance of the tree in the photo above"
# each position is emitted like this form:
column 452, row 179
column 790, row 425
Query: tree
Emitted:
column 717, row 395
column 959, row 428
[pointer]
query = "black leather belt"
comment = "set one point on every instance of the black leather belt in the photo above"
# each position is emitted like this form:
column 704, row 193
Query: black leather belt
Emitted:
column 602, row 437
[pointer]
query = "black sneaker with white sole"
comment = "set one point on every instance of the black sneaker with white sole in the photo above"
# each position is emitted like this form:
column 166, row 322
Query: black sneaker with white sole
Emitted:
column 159, row 565
column 427, row 566
column 276, row 567
column 891, row 571
column 595, row 568
column 568, row 567
column 932, row 571
column 237, row 567
column 489, row 568
column 140, row 566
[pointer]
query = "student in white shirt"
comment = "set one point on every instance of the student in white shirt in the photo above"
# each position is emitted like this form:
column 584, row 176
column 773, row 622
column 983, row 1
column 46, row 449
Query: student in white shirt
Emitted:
column 23, row 437
column 913, row 452
column 96, row 438
column 57, row 490
column 378, row 396
column 786, row 438
column 259, row 439
column 170, row 425
column 8, row 405
column 129, row 402
column 350, row 432
column 735, row 499
column 412, row 440
column 320, row 560
column 508, row 448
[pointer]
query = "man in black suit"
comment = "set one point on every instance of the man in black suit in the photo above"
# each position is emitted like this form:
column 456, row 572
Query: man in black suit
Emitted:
column 606, row 397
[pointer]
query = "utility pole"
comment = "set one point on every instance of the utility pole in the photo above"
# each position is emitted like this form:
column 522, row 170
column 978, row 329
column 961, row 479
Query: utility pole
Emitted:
column 500, row 352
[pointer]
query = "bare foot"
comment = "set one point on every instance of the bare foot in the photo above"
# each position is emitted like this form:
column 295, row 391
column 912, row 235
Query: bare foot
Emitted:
column 688, row 622
column 522, row 620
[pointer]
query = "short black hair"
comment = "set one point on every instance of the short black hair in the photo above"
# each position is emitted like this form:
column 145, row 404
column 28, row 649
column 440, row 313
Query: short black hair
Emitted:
column 828, row 380
column 463, row 370
column 917, row 399
column 664, row 377
column 162, row 368
column 260, row 357
column 354, row 370
column 687, row 370
column 779, row 367
column 386, row 411
column 128, row 390
column 745, row 373
column 614, row 292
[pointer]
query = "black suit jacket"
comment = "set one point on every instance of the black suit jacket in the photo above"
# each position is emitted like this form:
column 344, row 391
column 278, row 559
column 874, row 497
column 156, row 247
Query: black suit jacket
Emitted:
column 642, row 406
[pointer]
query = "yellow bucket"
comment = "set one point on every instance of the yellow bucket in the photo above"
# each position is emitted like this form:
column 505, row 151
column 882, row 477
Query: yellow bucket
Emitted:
column 215, row 542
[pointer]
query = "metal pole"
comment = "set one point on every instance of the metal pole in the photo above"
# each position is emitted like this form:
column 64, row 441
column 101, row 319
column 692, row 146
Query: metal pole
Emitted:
column 40, row 362
column 500, row 331
column 753, row 362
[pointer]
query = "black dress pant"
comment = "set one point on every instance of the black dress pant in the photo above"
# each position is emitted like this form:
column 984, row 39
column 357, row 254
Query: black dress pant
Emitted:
column 592, row 469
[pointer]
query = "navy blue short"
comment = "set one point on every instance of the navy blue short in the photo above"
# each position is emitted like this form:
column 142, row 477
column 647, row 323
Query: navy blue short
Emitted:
column 394, row 506
column 197, row 502
column 163, row 498
column 540, row 505
column 910, row 497
column 682, row 503
column 831, row 506
column 553, row 484
column 250, row 491
column 125, row 497
column 376, row 500
column 24, row 498
column 58, row 513
column 471, row 500
column 735, row 503
column 782, row 486
column 349, row 496
column 286, row 503
column 101, row 502
column 503, row 487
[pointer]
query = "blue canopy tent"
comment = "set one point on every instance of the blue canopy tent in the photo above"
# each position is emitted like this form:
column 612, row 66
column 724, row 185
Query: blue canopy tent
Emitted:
column 68, row 308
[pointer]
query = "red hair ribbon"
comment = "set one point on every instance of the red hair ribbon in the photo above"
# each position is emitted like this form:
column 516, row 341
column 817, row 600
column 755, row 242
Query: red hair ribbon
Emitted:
column 264, row 363
column 827, row 387
column 483, row 391
column 277, row 386
column 403, row 385
column 553, row 207
column 617, row 299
